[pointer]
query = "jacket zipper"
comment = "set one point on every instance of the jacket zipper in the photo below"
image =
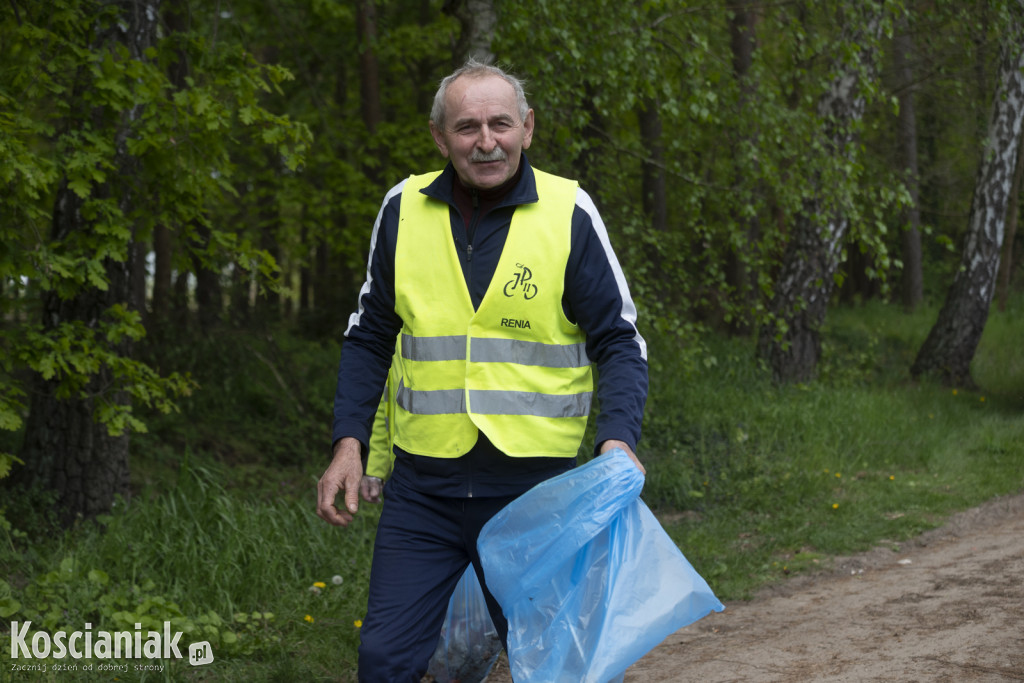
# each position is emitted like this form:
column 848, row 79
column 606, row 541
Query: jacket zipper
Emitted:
column 474, row 220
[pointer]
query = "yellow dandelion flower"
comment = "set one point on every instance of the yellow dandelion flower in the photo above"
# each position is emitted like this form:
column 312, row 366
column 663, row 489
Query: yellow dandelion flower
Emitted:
column 358, row 623
column 835, row 506
column 892, row 477
column 308, row 618
column 954, row 392
column 320, row 584
column 981, row 398
column 839, row 475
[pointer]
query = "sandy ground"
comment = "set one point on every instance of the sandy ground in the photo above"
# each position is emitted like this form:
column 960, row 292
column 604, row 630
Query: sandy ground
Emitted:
column 945, row 607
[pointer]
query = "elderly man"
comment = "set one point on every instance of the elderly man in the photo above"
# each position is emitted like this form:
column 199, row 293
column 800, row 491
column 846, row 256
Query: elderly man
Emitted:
column 503, row 288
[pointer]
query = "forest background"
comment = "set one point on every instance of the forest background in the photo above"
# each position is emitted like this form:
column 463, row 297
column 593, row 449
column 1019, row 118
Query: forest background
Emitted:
column 815, row 205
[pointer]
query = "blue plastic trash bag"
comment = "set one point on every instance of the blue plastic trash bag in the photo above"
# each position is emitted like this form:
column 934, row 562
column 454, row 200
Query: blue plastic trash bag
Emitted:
column 469, row 644
column 587, row 577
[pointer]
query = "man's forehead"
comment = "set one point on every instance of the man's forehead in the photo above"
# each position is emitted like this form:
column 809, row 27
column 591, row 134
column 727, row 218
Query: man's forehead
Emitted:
column 469, row 89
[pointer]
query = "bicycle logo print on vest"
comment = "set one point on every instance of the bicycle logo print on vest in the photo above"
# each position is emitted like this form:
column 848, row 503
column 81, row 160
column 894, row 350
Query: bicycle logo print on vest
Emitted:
column 521, row 279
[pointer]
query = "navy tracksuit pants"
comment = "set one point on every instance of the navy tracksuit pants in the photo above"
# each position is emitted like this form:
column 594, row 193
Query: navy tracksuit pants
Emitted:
column 423, row 545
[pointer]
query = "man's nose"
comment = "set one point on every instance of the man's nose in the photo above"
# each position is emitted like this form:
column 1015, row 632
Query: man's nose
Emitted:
column 486, row 141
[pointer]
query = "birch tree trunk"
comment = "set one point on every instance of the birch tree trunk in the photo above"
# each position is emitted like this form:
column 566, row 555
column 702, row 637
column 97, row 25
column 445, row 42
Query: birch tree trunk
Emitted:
column 790, row 342
column 479, row 19
column 949, row 349
column 1006, row 262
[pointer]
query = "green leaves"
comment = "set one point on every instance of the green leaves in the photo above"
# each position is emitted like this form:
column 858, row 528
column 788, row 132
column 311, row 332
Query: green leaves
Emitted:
column 97, row 148
column 8, row 605
column 73, row 354
column 54, row 599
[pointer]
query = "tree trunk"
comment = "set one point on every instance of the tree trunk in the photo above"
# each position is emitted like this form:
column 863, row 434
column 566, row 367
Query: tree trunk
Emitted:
column 240, row 293
column 1006, row 261
column 305, row 272
column 180, row 301
column 65, row 449
column 268, row 304
column 330, row 268
column 209, row 292
column 479, row 19
column 790, row 341
column 654, row 198
column 162, row 273
column 912, row 283
column 369, row 73
column 653, row 182
column 175, row 16
column 949, row 349
column 138, row 255
column 591, row 173
column 739, row 276
column 369, row 85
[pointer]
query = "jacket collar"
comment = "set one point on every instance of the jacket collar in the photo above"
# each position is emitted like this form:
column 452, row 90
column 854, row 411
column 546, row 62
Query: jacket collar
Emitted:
column 524, row 192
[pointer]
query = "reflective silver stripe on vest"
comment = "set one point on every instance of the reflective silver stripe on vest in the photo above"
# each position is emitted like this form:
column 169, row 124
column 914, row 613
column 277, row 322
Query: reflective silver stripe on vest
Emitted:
column 436, row 402
column 450, row 401
column 529, row 353
column 530, row 403
column 485, row 350
column 434, row 348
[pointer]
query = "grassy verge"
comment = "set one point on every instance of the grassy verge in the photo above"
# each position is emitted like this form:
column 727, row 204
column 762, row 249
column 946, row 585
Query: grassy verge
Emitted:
column 753, row 481
column 756, row 482
column 277, row 593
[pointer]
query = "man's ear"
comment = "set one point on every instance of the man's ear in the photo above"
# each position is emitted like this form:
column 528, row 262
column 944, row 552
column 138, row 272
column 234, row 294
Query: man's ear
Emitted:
column 528, row 129
column 438, row 136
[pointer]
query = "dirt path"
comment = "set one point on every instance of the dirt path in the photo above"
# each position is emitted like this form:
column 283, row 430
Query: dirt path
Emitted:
column 948, row 606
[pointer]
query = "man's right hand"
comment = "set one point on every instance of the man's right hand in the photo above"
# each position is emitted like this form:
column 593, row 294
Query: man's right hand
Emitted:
column 343, row 476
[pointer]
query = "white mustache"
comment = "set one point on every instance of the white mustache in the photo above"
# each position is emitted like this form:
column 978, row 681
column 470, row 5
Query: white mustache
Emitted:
column 496, row 154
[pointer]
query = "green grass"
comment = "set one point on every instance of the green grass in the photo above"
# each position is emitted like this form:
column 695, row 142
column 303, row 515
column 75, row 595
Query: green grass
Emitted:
column 771, row 476
column 210, row 557
column 754, row 482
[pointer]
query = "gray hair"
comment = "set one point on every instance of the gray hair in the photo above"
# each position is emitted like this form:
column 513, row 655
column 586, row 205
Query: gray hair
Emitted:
column 474, row 69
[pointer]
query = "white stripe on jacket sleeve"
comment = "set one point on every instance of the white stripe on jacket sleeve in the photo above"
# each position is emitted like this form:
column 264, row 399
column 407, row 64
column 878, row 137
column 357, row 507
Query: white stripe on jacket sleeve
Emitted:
column 628, row 312
column 353, row 319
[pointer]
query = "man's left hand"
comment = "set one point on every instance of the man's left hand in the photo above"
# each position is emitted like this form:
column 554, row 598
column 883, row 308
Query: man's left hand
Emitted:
column 612, row 444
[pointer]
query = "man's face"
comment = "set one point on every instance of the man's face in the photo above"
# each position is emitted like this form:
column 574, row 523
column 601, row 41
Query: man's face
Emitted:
column 483, row 134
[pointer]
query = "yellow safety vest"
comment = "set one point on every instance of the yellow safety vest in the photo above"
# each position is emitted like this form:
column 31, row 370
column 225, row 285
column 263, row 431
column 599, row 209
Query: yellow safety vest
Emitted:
column 381, row 457
column 516, row 368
